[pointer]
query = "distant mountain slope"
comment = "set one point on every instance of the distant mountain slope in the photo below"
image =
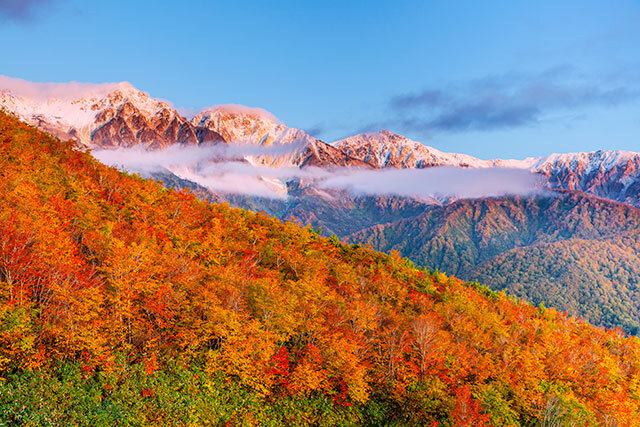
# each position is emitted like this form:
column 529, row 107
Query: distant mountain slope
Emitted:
column 597, row 279
column 528, row 247
column 121, row 301
column 334, row 212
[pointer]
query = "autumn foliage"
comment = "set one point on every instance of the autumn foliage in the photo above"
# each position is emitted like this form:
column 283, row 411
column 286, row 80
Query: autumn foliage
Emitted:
column 129, row 291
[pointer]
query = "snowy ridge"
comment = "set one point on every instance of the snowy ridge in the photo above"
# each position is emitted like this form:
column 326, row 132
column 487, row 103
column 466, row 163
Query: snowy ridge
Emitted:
column 385, row 149
column 64, row 91
column 611, row 174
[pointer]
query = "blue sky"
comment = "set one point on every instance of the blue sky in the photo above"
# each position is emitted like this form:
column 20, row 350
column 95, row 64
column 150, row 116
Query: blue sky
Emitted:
column 491, row 78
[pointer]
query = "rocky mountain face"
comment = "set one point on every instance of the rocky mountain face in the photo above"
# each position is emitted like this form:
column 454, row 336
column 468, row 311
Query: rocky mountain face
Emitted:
column 129, row 125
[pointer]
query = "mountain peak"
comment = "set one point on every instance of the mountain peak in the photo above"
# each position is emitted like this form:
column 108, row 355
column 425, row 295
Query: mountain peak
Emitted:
column 109, row 114
column 386, row 149
column 237, row 110
column 237, row 123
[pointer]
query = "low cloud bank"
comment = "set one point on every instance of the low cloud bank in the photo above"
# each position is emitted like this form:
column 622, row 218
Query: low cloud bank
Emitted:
column 221, row 168
column 439, row 182
column 142, row 160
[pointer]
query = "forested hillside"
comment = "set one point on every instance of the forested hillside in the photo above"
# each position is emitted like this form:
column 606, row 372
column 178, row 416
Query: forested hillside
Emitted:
column 122, row 302
column 565, row 249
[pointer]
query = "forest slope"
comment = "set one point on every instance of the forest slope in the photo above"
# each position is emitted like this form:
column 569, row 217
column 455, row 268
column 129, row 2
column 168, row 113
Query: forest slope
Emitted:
column 124, row 302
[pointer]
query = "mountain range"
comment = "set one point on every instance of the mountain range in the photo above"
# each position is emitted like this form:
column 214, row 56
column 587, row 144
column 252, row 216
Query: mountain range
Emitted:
column 567, row 249
column 116, row 115
column 571, row 244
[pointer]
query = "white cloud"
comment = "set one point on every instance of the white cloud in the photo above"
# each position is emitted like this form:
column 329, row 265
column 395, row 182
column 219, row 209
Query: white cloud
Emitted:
column 138, row 159
column 439, row 182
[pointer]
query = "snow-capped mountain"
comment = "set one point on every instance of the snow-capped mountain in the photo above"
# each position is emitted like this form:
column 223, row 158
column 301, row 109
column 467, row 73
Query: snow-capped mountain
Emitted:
column 385, row 149
column 119, row 115
column 610, row 174
column 112, row 114
column 254, row 126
